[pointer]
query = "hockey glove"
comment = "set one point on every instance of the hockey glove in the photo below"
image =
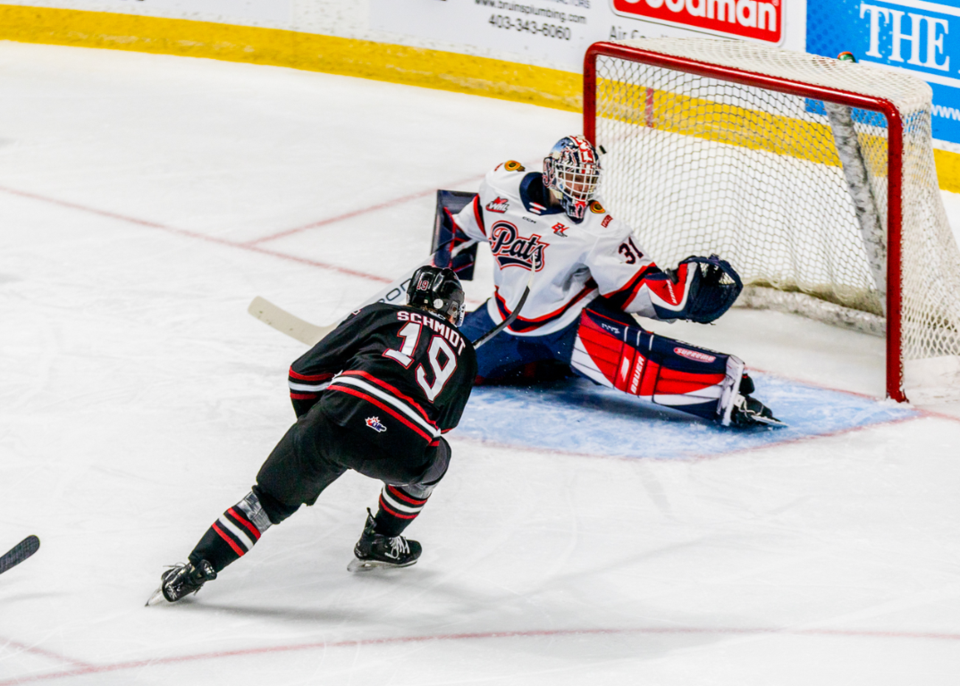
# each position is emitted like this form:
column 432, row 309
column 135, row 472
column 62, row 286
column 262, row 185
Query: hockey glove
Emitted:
column 715, row 287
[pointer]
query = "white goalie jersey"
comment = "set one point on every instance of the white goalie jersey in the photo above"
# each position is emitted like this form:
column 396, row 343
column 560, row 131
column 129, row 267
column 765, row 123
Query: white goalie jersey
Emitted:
column 573, row 263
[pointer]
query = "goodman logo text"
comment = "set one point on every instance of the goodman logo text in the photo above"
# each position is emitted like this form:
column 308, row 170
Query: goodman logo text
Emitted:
column 755, row 19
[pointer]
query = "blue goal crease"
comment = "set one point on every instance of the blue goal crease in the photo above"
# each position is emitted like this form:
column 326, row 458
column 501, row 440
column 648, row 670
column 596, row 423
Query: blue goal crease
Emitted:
column 577, row 416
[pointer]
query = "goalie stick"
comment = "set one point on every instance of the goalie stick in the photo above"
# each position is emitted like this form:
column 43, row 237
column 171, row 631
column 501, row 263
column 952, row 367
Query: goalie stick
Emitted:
column 20, row 552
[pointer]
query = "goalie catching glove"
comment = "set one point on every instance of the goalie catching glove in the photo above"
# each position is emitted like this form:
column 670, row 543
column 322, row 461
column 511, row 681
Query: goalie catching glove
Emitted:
column 700, row 290
column 710, row 294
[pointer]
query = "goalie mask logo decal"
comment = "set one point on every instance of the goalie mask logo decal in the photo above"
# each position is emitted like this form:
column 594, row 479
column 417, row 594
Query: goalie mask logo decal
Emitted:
column 510, row 249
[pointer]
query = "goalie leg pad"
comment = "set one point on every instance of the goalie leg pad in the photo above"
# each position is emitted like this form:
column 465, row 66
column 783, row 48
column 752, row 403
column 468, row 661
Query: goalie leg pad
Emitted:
column 612, row 350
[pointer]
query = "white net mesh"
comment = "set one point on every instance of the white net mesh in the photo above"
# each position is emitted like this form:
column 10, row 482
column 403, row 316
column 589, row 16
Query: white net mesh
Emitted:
column 700, row 165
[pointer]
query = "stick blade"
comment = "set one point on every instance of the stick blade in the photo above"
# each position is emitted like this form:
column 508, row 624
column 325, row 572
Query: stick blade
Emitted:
column 19, row 553
column 284, row 322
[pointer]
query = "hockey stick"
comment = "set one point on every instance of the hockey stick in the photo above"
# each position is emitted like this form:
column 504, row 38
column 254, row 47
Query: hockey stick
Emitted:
column 287, row 323
column 305, row 332
column 311, row 334
column 20, row 552
column 510, row 318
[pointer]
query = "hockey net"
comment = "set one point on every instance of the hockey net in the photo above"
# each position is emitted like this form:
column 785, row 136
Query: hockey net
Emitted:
column 814, row 177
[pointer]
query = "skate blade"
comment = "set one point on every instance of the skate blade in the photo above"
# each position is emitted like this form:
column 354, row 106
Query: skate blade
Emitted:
column 156, row 598
column 358, row 565
column 757, row 420
column 771, row 421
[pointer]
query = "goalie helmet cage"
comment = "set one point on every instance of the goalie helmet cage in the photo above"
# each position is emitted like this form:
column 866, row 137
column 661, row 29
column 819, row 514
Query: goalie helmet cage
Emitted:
column 814, row 177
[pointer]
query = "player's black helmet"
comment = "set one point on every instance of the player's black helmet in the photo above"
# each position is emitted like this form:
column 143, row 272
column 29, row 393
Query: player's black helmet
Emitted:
column 439, row 290
column 572, row 172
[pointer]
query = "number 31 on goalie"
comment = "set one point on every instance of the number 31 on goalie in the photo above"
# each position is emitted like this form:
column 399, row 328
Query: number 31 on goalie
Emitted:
column 631, row 253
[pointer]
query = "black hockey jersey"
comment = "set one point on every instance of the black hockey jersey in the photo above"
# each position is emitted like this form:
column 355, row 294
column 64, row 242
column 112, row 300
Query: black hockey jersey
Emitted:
column 400, row 373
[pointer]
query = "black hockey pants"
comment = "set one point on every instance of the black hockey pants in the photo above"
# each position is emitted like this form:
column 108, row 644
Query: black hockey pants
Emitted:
column 316, row 451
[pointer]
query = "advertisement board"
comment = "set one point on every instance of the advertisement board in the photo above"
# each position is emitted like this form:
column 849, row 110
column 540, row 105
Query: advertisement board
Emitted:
column 917, row 36
column 225, row 11
column 558, row 32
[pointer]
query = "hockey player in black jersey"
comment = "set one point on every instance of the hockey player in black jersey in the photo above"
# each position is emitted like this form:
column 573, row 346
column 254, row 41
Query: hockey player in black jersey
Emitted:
column 373, row 396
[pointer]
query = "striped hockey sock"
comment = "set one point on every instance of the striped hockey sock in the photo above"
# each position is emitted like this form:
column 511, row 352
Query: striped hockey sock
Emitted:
column 233, row 534
column 397, row 509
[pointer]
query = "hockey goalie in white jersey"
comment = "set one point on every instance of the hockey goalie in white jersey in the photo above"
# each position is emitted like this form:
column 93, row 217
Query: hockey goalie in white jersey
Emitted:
column 588, row 276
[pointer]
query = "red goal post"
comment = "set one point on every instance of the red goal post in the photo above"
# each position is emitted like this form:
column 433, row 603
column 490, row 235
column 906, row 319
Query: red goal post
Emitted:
column 735, row 116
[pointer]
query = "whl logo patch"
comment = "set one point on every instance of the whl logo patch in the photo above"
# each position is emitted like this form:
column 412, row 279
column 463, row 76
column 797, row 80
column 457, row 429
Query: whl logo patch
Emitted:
column 498, row 205
column 755, row 19
column 374, row 423
column 510, row 249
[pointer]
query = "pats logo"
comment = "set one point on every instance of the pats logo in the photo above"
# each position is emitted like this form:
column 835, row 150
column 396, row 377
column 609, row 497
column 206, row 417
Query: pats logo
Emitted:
column 498, row 205
column 374, row 423
column 596, row 207
column 510, row 249
column 694, row 355
column 560, row 230
column 513, row 165
column 756, row 19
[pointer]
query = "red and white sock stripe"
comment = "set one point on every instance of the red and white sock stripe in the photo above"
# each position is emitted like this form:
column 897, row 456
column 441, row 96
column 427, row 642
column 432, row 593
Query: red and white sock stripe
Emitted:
column 242, row 525
column 398, row 503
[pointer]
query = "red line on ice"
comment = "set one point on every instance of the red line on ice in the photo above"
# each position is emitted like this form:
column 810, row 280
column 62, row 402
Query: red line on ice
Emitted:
column 355, row 213
column 400, row 640
column 200, row 236
column 43, row 653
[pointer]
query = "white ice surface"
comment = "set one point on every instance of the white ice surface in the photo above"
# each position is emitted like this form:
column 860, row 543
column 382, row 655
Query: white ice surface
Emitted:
column 138, row 399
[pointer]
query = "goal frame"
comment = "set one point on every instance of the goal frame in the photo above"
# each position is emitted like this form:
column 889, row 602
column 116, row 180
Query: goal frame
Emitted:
column 894, row 358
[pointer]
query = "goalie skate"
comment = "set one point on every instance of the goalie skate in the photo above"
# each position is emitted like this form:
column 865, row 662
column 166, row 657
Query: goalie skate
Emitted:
column 749, row 412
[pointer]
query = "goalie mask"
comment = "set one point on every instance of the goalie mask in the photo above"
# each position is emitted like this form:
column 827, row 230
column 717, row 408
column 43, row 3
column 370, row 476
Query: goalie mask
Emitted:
column 437, row 290
column 572, row 172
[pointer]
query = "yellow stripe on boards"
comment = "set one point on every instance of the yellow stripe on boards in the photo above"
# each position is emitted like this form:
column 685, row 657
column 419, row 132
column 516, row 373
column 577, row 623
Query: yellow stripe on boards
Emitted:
column 725, row 123
column 948, row 170
column 379, row 61
column 365, row 59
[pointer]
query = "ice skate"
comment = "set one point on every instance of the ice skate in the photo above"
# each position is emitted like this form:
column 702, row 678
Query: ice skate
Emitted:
column 749, row 411
column 376, row 550
column 181, row 580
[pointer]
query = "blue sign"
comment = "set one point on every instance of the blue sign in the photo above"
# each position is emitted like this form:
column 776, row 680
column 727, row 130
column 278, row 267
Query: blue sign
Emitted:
column 914, row 35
